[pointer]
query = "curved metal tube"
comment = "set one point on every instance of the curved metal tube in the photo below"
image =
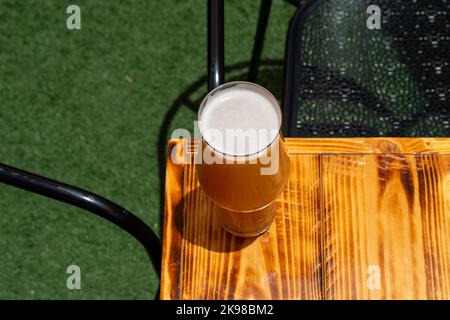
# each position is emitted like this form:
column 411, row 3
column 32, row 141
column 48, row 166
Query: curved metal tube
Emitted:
column 90, row 202
column 215, row 44
column 292, row 54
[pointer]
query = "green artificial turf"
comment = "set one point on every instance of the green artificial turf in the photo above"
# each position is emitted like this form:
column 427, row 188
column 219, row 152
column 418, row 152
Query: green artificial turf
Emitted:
column 86, row 107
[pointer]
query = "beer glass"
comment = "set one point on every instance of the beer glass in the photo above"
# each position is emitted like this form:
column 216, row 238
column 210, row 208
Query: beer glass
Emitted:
column 242, row 164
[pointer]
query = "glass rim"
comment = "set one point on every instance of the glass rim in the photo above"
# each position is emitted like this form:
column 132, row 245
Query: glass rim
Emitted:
column 251, row 84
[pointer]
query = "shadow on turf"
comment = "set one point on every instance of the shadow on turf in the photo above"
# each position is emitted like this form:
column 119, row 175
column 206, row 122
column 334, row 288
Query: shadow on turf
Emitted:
column 270, row 76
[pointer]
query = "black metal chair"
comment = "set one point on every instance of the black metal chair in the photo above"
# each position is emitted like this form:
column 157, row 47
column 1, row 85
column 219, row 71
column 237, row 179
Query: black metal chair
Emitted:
column 343, row 78
column 88, row 201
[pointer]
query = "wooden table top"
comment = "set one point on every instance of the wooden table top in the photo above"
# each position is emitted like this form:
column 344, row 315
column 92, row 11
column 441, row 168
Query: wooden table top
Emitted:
column 359, row 219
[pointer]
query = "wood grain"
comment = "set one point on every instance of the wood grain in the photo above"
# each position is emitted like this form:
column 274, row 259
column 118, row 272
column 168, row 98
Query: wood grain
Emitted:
column 368, row 145
column 387, row 217
column 202, row 261
column 359, row 219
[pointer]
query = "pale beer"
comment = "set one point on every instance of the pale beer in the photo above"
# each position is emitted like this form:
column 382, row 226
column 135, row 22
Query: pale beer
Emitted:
column 244, row 165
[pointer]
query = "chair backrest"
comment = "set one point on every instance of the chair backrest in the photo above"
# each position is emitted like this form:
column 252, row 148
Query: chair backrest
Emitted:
column 346, row 77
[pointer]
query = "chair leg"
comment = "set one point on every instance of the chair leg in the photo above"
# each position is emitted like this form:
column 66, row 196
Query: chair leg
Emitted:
column 216, row 59
column 263, row 18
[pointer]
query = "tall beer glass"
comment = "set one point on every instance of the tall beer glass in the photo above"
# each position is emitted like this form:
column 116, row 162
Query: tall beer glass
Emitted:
column 244, row 165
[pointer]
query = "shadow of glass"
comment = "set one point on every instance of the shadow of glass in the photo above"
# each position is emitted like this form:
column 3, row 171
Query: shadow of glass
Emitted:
column 197, row 222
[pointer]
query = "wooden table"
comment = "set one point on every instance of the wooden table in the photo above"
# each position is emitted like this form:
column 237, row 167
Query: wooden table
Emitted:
column 359, row 219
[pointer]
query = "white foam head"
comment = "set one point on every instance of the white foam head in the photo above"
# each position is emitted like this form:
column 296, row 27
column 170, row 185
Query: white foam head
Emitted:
column 240, row 108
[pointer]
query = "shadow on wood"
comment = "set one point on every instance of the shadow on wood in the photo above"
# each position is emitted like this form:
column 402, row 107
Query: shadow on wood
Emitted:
column 211, row 235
